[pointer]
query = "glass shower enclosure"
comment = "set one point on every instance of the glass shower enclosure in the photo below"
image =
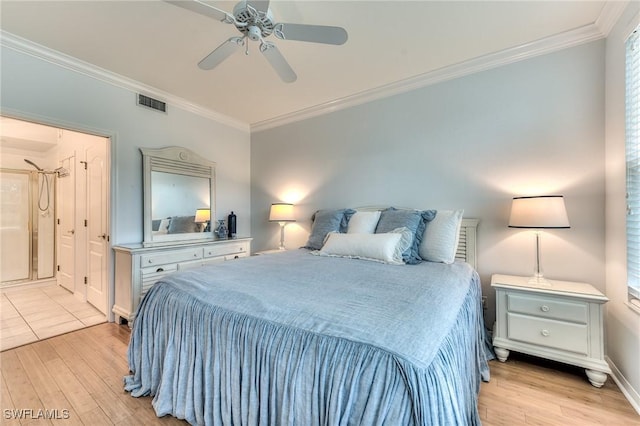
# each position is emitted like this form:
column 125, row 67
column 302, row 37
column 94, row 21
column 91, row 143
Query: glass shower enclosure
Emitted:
column 27, row 226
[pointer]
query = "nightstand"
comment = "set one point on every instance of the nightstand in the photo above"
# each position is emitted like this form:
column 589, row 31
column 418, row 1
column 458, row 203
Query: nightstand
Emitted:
column 562, row 321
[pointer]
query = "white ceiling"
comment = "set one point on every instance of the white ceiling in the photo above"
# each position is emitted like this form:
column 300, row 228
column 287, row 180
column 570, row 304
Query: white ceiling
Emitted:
column 159, row 45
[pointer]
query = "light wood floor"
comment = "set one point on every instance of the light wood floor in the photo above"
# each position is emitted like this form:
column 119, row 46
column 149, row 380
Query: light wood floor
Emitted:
column 82, row 371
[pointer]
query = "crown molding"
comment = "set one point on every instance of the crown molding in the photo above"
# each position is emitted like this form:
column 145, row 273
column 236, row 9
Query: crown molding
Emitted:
column 36, row 50
column 611, row 12
column 609, row 15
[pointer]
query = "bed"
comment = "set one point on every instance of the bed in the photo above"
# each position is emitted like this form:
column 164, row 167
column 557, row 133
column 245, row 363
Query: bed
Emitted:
column 303, row 339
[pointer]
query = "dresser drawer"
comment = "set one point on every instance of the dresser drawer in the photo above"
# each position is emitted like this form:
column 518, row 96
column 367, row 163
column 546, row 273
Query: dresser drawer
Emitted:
column 174, row 256
column 225, row 249
column 150, row 276
column 547, row 307
column 566, row 336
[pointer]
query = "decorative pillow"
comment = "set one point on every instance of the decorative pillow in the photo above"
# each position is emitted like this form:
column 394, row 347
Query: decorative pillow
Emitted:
column 182, row 224
column 441, row 236
column 414, row 220
column 325, row 221
column 163, row 226
column 363, row 222
column 387, row 247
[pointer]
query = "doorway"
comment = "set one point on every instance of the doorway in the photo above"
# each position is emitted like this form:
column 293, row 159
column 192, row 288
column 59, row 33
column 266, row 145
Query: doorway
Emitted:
column 64, row 235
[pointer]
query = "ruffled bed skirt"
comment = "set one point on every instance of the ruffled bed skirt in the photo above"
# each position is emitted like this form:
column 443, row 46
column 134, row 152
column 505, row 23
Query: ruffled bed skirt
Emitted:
column 211, row 366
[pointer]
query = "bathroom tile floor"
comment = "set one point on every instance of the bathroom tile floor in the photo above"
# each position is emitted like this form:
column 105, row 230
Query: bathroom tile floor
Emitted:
column 31, row 314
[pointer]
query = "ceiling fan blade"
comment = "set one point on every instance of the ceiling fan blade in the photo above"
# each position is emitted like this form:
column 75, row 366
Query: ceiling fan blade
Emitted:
column 277, row 61
column 260, row 5
column 204, row 8
column 312, row 33
column 221, row 53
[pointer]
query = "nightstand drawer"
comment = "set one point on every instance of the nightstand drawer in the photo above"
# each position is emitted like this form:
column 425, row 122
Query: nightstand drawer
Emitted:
column 547, row 332
column 547, row 307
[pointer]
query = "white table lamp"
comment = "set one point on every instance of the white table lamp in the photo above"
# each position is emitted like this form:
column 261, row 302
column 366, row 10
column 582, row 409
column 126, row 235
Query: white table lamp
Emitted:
column 203, row 216
column 281, row 213
column 537, row 213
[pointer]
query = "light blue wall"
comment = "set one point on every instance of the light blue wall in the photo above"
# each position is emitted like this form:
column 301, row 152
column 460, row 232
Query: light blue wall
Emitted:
column 532, row 127
column 42, row 91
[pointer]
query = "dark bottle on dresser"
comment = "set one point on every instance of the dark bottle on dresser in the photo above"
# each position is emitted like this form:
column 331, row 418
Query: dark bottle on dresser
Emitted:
column 231, row 225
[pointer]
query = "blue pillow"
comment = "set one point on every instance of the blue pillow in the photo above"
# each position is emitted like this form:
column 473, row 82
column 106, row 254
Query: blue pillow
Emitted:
column 325, row 221
column 414, row 220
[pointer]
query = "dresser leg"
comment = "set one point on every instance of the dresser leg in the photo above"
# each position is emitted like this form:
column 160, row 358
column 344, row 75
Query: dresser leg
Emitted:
column 501, row 353
column 597, row 378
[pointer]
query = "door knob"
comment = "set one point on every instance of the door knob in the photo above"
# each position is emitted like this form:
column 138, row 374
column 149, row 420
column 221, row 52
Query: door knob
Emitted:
column 103, row 236
column 73, row 231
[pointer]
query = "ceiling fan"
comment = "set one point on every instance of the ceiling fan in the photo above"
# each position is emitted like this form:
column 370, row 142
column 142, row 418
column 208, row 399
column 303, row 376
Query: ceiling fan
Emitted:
column 255, row 21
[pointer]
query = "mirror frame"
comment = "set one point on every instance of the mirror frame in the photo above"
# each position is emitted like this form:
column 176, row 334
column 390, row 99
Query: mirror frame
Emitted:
column 182, row 161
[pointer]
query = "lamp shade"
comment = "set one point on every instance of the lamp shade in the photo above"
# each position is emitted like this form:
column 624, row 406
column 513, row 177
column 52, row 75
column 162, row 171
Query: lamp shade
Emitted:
column 542, row 212
column 202, row 215
column 281, row 212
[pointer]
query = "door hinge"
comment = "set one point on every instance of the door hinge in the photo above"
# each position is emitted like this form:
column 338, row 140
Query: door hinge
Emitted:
column 58, row 267
column 85, row 223
column 58, row 221
column 86, row 281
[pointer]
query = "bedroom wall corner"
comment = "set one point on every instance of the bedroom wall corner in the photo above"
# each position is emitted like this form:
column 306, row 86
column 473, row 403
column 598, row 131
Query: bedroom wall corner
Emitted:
column 529, row 128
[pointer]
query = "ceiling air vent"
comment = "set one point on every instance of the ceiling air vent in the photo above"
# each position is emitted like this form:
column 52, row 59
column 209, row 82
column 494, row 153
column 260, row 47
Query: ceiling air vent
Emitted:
column 148, row 102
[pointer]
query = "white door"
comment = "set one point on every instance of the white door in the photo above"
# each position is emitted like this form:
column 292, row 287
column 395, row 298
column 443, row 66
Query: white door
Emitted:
column 66, row 225
column 97, row 225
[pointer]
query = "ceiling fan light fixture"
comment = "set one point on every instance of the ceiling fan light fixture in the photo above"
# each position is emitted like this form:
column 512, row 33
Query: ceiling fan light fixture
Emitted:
column 254, row 20
column 254, row 33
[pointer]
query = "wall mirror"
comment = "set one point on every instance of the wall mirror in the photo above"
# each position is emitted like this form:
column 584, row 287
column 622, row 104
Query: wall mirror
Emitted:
column 179, row 196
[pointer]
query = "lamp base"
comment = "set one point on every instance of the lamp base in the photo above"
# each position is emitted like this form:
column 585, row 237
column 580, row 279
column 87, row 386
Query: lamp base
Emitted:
column 539, row 281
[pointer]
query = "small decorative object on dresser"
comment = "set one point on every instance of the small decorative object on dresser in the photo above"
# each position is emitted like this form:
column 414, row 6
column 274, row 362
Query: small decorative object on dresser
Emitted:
column 561, row 321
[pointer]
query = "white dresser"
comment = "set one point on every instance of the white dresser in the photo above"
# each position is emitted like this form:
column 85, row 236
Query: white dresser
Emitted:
column 137, row 268
column 562, row 321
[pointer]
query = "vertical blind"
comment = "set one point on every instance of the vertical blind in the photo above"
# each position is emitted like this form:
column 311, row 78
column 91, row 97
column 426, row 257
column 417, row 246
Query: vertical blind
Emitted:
column 632, row 106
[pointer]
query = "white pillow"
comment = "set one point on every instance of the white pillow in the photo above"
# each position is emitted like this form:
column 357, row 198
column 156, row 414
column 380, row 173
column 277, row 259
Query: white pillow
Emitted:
column 386, row 247
column 441, row 236
column 363, row 222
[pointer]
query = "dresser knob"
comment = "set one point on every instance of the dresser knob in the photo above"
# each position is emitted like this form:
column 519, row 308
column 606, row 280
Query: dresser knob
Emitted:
column 544, row 308
column 545, row 333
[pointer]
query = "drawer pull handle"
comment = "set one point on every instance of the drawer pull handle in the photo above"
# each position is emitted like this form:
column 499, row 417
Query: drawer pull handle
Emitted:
column 544, row 308
column 545, row 333
column 150, row 261
column 237, row 257
column 160, row 270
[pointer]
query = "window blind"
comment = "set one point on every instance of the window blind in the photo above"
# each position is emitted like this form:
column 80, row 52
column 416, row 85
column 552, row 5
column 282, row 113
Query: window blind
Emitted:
column 632, row 106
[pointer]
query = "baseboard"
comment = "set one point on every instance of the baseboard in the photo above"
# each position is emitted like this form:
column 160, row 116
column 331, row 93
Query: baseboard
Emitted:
column 628, row 391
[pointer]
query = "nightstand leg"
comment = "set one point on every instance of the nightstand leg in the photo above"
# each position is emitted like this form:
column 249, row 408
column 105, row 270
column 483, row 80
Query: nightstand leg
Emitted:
column 501, row 353
column 597, row 378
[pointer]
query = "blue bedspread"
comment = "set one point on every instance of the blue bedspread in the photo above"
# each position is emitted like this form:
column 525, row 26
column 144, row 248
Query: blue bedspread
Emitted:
column 295, row 339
